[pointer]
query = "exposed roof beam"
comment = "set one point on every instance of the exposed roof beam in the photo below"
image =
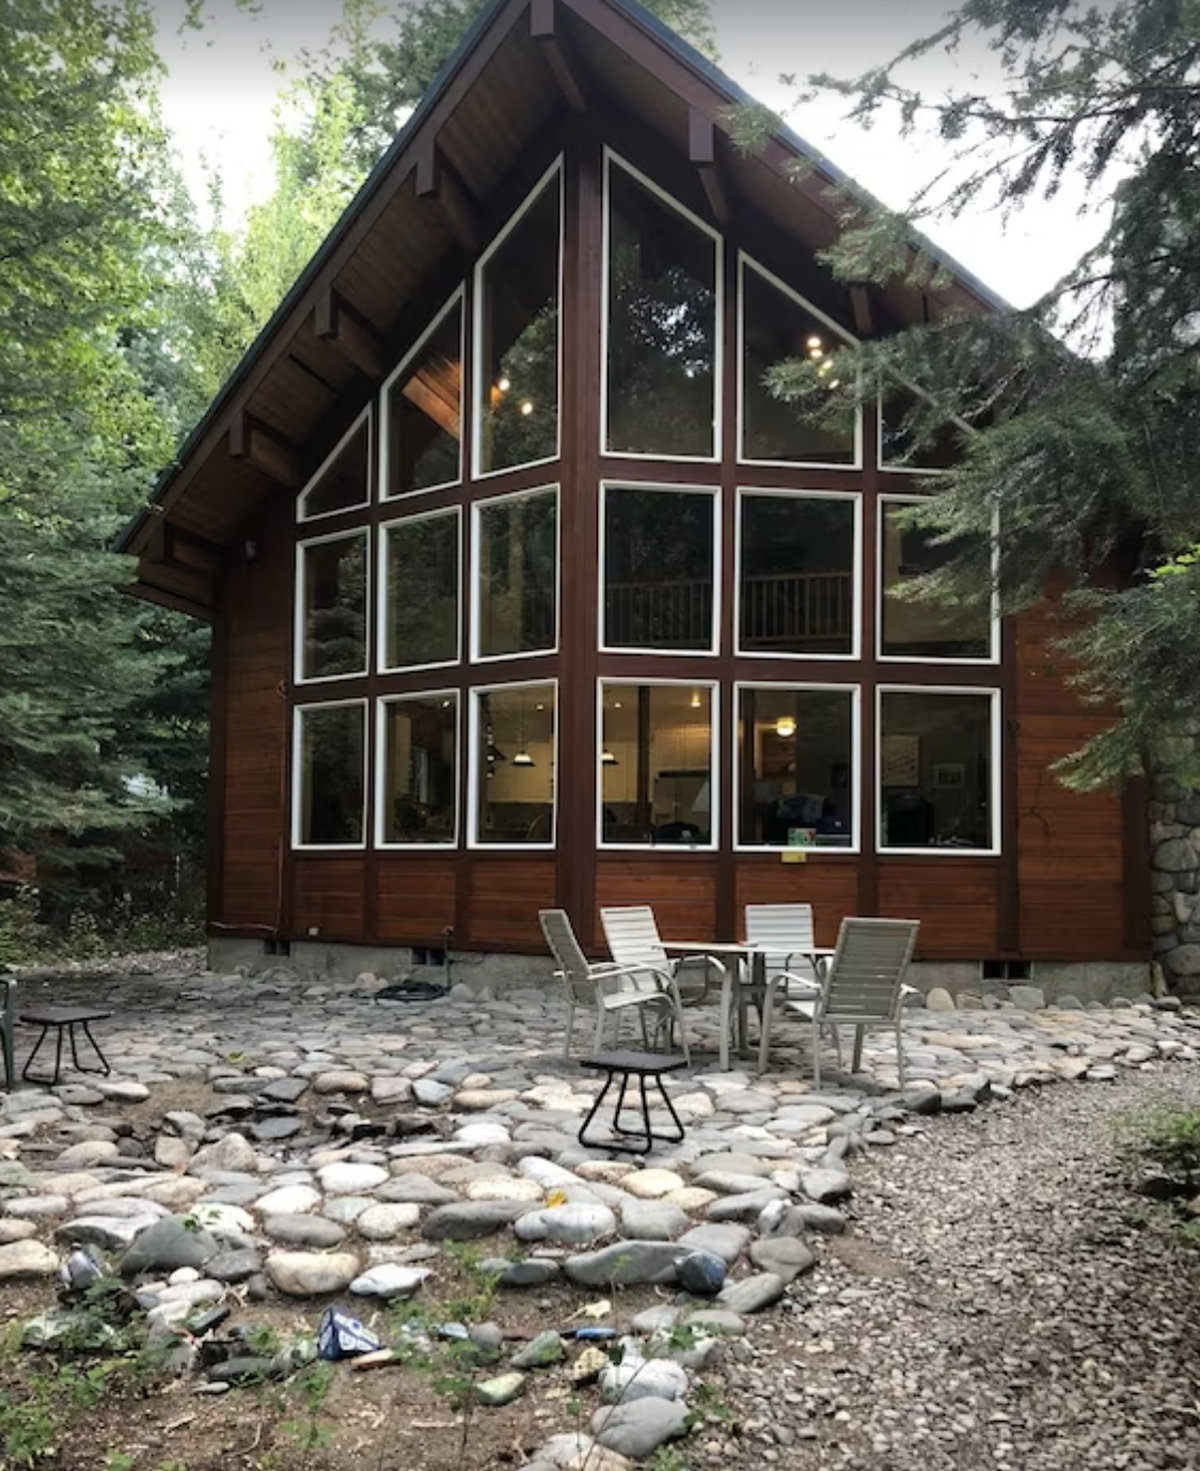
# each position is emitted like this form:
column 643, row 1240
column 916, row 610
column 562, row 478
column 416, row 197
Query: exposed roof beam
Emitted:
column 150, row 592
column 702, row 151
column 436, row 179
column 557, row 54
column 860, row 301
column 340, row 326
column 252, row 441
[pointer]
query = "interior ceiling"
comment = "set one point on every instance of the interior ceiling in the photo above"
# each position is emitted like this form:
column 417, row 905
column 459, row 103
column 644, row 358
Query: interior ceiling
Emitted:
column 279, row 414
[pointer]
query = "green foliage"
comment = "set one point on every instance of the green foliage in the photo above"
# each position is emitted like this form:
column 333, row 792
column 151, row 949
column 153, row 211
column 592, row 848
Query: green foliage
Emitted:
column 1078, row 418
column 1168, row 1136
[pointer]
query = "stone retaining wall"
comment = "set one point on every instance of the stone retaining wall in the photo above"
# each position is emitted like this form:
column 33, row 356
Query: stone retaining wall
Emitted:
column 1175, row 884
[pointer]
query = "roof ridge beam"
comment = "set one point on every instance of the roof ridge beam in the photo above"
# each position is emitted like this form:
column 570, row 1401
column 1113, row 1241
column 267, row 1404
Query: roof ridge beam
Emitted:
column 557, row 53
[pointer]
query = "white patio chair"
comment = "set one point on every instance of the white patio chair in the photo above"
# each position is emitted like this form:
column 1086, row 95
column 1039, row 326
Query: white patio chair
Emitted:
column 634, row 941
column 610, row 987
column 863, row 986
column 784, row 932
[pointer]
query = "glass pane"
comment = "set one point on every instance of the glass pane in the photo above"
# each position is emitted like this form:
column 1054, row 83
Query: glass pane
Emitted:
column 656, row 764
column 796, row 756
column 332, row 746
column 514, row 796
column 924, row 630
column 935, row 766
column 343, row 483
column 776, row 328
column 658, row 569
column 518, row 574
column 422, row 591
column 797, row 575
column 519, row 367
column 420, row 773
column 662, row 326
column 425, row 414
column 898, row 446
column 335, row 608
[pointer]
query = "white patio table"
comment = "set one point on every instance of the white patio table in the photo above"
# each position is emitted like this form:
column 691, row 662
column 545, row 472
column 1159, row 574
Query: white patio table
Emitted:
column 745, row 974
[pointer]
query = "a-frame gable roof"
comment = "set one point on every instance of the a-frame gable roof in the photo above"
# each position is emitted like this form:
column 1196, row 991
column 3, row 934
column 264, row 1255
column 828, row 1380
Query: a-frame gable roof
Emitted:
column 522, row 68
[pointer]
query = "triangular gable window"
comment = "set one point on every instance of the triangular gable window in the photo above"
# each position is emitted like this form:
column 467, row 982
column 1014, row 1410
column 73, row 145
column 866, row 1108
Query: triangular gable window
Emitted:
column 422, row 411
column 341, row 484
column 778, row 326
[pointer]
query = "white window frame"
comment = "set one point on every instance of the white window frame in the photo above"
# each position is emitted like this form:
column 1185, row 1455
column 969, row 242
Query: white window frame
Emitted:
column 856, row 775
column 473, row 776
column 313, row 480
column 480, row 375
column 310, row 680
column 856, row 571
column 662, row 487
column 457, row 299
column 382, row 609
column 611, row 157
column 746, row 262
column 993, row 655
column 298, row 714
column 477, row 509
column 635, row 681
column 980, row 691
column 382, row 706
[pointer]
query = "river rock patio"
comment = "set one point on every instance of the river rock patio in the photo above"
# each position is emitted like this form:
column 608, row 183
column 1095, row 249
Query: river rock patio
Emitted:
column 343, row 1140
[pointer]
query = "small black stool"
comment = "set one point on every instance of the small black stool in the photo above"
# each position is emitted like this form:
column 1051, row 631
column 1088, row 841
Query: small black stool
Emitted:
column 64, row 1018
column 639, row 1065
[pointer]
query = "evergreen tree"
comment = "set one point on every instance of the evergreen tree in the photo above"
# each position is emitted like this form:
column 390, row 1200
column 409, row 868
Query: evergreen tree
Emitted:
column 1079, row 419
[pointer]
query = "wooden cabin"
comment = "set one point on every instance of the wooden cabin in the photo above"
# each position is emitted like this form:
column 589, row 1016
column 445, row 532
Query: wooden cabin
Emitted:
column 526, row 592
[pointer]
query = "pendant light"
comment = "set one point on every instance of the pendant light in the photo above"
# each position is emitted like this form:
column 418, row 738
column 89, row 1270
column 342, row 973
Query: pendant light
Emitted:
column 522, row 757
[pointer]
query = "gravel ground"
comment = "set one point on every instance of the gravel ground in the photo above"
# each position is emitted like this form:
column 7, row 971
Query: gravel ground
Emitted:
column 1000, row 1304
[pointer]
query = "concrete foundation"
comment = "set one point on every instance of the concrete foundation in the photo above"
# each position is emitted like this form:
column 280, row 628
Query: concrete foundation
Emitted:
column 1089, row 980
column 315, row 958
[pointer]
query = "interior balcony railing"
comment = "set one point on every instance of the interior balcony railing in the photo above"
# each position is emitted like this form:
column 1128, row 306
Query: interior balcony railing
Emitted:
column 802, row 611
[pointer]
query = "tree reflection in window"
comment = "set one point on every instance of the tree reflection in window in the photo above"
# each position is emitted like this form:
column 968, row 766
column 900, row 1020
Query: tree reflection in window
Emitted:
column 796, row 574
column 658, row 568
column 517, row 590
column 518, row 371
column 662, row 326
column 776, row 328
column 342, row 483
column 331, row 786
column 334, row 580
column 421, row 615
column 424, row 413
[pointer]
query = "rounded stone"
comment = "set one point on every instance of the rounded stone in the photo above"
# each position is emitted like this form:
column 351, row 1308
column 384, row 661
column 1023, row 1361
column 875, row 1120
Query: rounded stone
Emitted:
column 288, row 1200
column 340, row 1081
column 345, row 1178
column 22, row 1260
column 385, row 1221
column 303, row 1230
column 389, row 1279
column 567, row 1225
column 311, row 1274
column 652, row 1220
column 701, row 1274
column 502, row 1188
column 652, row 1184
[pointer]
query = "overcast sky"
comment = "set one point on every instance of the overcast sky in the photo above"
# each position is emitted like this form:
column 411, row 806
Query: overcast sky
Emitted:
column 222, row 88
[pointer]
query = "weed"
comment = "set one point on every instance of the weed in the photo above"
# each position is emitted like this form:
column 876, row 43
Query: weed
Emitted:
column 308, row 1430
column 118, row 1461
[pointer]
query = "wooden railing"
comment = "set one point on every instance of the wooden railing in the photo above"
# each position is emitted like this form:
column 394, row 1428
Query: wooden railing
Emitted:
column 813, row 609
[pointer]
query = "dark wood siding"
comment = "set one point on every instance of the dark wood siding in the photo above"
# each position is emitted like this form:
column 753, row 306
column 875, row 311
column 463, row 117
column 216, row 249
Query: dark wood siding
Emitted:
column 257, row 610
column 954, row 898
column 505, row 894
column 682, row 890
column 829, row 885
column 328, row 890
column 415, row 898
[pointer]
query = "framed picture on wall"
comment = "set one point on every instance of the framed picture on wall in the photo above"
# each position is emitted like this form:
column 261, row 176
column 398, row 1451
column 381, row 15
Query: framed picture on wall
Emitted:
column 949, row 774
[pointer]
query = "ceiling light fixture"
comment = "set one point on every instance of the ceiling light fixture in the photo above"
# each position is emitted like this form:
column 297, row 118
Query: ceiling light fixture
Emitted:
column 785, row 726
column 527, row 408
column 696, row 701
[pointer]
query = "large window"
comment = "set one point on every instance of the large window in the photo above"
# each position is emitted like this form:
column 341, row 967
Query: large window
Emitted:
column 659, row 568
column 656, row 763
column 798, row 585
column 329, row 775
column 662, row 311
column 797, row 777
column 514, row 732
column 516, row 575
column 921, row 630
column 518, row 338
column 342, row 482
column 331, row 603
column 938, row 779
column 418, row 789
column 909, row 436
column 420, row 610
column 778, row 326
column 422, row 411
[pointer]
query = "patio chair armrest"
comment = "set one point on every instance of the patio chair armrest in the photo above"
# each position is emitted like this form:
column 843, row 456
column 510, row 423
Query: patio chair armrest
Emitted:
column 706, row 960
column 805, row 983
